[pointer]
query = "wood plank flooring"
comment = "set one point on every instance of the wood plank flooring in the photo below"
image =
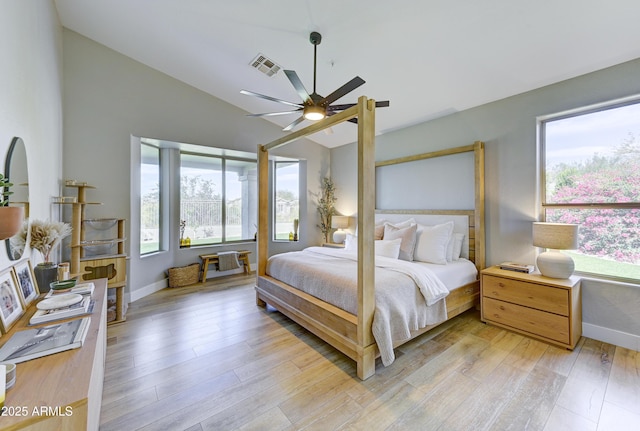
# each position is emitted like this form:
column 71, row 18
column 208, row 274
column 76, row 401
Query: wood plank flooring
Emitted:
column 207, row 358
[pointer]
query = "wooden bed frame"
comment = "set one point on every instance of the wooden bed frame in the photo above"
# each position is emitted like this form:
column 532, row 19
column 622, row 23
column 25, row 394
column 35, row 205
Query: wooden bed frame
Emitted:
column 351, row 334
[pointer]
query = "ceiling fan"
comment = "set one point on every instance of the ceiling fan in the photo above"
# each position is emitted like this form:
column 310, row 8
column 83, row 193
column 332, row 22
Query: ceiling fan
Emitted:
column 313, row 107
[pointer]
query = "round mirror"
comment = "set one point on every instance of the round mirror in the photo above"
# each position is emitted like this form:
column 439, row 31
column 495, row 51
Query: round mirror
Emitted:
column 15, row 168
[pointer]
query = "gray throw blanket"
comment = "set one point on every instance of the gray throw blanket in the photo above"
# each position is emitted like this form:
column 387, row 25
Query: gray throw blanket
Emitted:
column 228, row 260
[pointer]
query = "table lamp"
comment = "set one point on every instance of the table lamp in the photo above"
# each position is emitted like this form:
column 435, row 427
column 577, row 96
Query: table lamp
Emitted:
column 339, row 223
column 555, row 236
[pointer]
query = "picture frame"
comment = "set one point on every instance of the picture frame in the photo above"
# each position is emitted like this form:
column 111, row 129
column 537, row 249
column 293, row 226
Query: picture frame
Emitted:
column 11, row 307
column 27, row 287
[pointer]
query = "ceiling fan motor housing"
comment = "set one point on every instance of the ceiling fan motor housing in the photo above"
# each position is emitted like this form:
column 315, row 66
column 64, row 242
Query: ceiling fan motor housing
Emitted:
column 315, row 38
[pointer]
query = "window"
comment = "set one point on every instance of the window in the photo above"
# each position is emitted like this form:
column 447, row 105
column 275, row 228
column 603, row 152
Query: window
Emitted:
column 286, row 205
column 218, row 199
column 591, row 176
column 150, row 202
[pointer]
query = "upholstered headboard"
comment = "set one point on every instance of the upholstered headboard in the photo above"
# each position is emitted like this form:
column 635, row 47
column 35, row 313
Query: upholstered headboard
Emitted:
column 463, row 222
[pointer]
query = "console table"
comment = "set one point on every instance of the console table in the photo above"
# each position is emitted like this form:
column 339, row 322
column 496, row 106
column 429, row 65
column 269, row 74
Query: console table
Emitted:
column 62, row 391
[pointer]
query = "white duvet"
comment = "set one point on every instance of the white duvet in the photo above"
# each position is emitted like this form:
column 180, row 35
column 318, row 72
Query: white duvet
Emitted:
column 408, row 296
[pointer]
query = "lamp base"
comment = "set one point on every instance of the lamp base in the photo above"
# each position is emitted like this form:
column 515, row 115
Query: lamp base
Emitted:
column 339, row 236
column 555, row 264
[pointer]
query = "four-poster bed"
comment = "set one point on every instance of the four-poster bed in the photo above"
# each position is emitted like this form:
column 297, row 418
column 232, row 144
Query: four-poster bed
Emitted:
column 349, row 332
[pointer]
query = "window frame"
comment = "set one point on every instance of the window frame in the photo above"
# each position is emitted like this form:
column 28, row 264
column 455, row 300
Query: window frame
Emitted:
column 223, row 216
column 274, row 208
column 542, row 196
column 161, row 193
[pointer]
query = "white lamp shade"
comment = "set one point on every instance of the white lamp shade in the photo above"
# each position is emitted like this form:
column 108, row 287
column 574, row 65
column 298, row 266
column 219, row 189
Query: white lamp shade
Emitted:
column 339, row 222
column 557, row 236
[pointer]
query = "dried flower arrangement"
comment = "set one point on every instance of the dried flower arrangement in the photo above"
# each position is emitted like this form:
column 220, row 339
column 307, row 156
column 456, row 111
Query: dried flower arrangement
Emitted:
column 46, row 235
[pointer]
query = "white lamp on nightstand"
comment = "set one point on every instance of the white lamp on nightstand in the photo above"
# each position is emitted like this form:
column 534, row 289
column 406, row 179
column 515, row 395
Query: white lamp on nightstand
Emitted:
column 555, row 236
column 339, row 222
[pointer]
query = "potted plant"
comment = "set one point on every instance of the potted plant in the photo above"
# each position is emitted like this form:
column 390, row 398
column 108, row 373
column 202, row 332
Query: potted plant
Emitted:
column 45, row 237
column 10, row 217
column 326, row 206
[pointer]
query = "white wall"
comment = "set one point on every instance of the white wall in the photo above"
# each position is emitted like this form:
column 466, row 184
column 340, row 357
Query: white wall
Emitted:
column 108, row 98
column 31, row 100
column 508, row 127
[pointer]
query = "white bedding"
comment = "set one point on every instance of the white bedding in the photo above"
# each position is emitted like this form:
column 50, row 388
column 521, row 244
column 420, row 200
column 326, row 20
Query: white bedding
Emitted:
column 454, row 274
column 401, row 307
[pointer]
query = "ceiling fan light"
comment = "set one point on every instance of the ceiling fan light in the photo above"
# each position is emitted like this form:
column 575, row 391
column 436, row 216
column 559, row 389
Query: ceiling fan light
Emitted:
column 314, row 113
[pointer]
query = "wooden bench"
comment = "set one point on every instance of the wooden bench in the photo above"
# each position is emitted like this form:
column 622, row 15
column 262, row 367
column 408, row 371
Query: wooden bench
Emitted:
column 208, row 259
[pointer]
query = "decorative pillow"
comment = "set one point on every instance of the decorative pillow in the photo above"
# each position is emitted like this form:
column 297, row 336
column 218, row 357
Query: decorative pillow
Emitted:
column 388, row 248
column 378, row 229
column 378, row 232
column 432, row 242
column 405, row 223
column 408, row 237
column 458, row 240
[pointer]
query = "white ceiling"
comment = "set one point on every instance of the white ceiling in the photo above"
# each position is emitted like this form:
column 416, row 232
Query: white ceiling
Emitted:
column 429, row 58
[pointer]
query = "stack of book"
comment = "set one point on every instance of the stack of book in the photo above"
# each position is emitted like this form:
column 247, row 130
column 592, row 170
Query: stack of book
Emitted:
column 47, row 340
column 84, row 305
column 518, row 267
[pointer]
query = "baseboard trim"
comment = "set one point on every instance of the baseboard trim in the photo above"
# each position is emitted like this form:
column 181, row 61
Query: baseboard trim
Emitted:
column 148, row 290
column 611, row 336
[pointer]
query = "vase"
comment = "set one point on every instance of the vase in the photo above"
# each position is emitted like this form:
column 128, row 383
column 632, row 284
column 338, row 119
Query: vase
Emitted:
column 45, row 273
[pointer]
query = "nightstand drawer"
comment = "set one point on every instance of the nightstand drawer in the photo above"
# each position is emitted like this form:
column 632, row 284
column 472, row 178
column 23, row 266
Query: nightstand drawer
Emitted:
column 526, row 319
column 528, row 294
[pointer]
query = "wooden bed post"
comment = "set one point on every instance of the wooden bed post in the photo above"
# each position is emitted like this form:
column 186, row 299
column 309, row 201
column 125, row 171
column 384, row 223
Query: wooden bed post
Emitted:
column 366, row 221
column 263, row 215
column 478, row 151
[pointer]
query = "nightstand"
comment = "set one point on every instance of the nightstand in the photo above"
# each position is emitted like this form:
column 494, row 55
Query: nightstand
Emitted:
column 545, row 308
column 332, row 245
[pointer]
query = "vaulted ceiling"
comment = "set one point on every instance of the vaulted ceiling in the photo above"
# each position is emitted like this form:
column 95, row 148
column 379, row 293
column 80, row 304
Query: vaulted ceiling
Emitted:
column 429, row 58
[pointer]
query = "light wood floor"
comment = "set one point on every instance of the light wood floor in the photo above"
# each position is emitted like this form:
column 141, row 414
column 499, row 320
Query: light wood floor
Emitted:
column 208, row 359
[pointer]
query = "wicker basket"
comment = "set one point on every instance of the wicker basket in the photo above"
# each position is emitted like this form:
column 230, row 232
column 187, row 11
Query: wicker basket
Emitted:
column 184, row 275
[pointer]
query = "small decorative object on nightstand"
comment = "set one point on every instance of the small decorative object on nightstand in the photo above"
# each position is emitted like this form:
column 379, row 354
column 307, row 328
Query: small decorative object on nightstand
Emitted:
column 544, row 308
column 555, row 236
column 339, row 222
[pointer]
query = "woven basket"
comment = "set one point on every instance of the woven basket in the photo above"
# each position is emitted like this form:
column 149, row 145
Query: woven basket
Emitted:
column 184, row 275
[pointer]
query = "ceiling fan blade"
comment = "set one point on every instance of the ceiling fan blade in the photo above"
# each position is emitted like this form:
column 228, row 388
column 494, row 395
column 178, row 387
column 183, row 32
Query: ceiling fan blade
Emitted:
column 297, row 84
column 346, row 88
column 381, row 104
column 294, row 124
column 351, row 120
column 273, row 99
column 271, row 114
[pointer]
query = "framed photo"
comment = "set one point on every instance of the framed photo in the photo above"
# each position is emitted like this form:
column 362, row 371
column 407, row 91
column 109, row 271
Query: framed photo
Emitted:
column 10, row 306
column 27, row 288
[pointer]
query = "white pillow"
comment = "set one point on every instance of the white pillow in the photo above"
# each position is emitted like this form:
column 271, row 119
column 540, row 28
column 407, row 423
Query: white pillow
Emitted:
column 402, row 224
column 408, row 237
column 432, row 242
column 388, row 248
column 458, row 240
column 351, row 242
column 384, row 248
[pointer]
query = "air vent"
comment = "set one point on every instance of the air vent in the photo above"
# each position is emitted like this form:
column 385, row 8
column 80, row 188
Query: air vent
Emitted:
column 264, row 65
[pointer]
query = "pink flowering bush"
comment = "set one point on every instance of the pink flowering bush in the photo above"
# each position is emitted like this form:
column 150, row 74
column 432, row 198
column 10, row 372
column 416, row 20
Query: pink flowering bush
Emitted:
column 604, row 232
